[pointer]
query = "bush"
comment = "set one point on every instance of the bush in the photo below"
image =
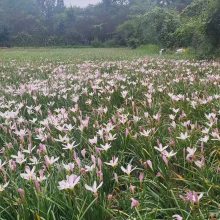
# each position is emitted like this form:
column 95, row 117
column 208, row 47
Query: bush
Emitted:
column 199, row 28
column 4, row 37
column 23, row 39
column 96, row 43
column 133, row 43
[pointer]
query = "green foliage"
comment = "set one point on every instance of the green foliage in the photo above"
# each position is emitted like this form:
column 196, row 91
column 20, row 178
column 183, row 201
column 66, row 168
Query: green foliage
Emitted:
column 150, row 49
column 199, row 27
column 158, row 27
column 185, row 96
column 4, row 36
column 155, row 27
column 167, row 23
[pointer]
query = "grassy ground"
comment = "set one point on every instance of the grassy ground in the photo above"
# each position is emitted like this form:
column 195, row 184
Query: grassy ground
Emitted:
column 124, row 136
column 72, row 54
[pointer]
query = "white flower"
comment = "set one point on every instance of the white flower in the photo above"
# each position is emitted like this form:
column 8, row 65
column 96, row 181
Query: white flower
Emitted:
column 2, row 187
column 93, row 141
column 70, row 146
column 29, row 175
column 106, row 146
column 113, row 162
column 50, row 161
column 69, row 167
column 94, row 188
column 64, row 139
column 89, row 168
column 19, row 158
column 2, row 164
column 183, row 136
column 169, row 154
column 145, row 133
column 191, row 153
column 161, row 148
column 70, row 182
column 205, row 139
column 34, row 161
column 128, row 170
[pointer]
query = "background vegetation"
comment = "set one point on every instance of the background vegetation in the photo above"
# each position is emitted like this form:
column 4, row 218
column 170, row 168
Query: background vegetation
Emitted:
column 167, row 23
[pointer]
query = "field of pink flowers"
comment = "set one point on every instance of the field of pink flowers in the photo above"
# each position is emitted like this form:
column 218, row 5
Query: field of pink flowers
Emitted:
column 110, row 140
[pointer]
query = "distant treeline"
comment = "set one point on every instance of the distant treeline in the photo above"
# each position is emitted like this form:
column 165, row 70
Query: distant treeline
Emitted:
column 168, row 23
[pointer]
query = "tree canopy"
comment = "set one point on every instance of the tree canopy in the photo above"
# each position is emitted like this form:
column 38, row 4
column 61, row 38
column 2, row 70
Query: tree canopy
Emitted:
column 168, row 23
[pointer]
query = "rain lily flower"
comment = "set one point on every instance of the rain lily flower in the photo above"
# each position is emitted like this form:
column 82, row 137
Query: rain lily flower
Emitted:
column 20, row 158
column 69, row 167
column 50, row 161
column 134, row 203
column 94, row 188
column 132, row 188
column 204, row 139
column 34, row 161
column 113, row 162
column 177, row 217
column 64, row 139
column 192, row 197
column 70, row 182
column 161, row 148
column 191, row 154
column 183, row 136
column 2, row 187
column 145, row 133
column 29, row 175
column 83, row 153
column 93, row 141
column 2, row 164
column 128, row 170
column 106, row 146
column 70, row 146
column 141, row 177
column 149, row 163
column 21, row 193
column 200, row 163
column 170, row 154
column 90, row 168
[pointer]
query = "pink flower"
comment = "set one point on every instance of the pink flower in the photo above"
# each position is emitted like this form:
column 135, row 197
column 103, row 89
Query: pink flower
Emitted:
column 83, row 153
column 70, row 182
column 192, row 197
column 191, row 154
column 141, row 177
column 50, row 161
column 200, row 163
column 132, row 188
column 134, row 203
column 21, row 193
column 149, row 163
column 177, row 217
column 93, row 141
column 29, row 175
column 20, row 158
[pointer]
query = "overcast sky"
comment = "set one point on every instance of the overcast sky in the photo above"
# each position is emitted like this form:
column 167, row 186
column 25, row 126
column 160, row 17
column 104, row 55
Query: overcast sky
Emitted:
column 81, row 3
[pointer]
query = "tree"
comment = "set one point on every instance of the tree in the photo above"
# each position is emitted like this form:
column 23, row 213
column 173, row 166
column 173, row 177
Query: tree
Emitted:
column 60, row 6
column 4, row 37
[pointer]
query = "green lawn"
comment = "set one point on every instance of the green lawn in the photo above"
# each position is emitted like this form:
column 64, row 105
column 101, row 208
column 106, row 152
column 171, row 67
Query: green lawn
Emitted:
column 71, row 54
